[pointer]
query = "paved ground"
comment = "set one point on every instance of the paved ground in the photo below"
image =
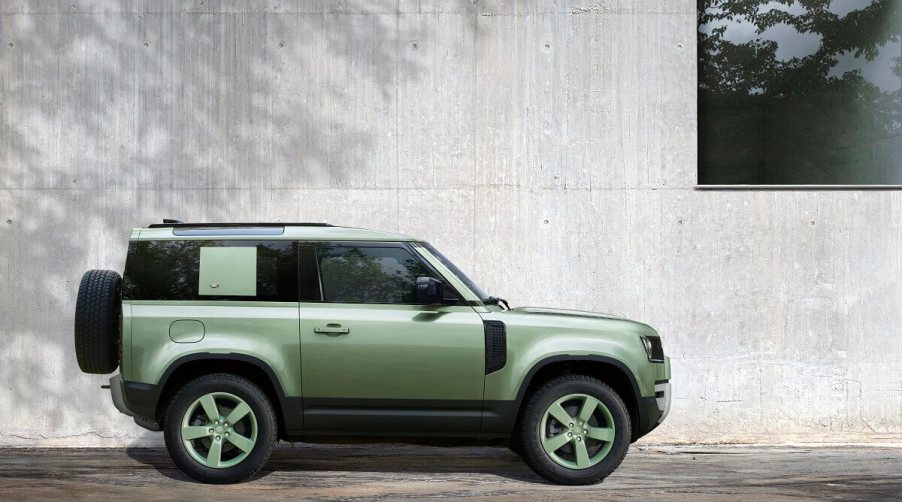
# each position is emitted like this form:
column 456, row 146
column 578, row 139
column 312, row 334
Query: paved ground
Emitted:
column 398, row 471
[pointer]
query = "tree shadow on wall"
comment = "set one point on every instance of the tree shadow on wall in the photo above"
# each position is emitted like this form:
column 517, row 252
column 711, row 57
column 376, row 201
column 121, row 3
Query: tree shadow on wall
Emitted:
column 116, row 116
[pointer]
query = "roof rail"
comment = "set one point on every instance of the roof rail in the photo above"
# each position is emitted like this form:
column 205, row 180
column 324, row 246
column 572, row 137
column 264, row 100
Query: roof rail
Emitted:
column 167, row 223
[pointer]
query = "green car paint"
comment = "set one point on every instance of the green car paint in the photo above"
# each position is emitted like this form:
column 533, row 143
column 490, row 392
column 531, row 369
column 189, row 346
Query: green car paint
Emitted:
column 267, row 331
column 368, row 368
column 537, row 334
column 392, row 352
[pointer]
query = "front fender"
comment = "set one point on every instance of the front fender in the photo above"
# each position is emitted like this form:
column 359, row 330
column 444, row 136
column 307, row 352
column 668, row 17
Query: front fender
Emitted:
column 582, row 347
column 533, row 341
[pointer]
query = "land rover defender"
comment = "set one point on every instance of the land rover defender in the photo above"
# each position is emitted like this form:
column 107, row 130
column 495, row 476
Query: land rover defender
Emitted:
column 229, row 337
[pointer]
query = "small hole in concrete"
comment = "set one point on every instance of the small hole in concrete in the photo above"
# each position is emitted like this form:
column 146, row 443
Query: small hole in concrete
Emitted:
column 146, row 44
column 679, row 46
column 547, row 46
column 11, row 44
column 414, row 45
column 679, row 221
column 812, row 223
column 281, row 44
column 545, row 222
column 9, row 222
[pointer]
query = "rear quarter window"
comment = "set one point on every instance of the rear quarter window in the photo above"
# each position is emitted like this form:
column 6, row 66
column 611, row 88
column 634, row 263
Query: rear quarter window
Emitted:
column 171, row 270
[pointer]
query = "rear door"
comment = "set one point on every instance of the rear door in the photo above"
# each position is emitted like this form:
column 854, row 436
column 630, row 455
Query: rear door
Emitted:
column 374, row 361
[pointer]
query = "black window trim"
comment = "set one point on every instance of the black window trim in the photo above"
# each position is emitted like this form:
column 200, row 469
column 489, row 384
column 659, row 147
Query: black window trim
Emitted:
column 319, row 279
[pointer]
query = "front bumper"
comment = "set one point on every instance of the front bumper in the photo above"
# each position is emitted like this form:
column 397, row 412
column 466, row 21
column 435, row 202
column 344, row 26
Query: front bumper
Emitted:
column 654, row 409
column 662, row 399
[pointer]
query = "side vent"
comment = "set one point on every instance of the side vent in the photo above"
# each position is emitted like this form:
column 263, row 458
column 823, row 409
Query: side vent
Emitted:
column 495, row 346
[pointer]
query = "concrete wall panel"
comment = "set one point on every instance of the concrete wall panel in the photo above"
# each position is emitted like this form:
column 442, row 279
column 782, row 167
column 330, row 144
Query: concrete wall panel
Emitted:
column 549, row 148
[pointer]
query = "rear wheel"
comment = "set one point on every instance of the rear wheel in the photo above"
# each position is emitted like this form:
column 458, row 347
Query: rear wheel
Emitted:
column 575, row 430
column 220, row 428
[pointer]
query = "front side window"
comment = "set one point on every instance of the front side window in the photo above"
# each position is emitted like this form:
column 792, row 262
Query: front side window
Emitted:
column 364, row 274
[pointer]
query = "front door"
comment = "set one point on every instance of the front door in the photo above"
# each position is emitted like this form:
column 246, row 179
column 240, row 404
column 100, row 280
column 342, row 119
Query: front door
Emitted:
column 373, row 361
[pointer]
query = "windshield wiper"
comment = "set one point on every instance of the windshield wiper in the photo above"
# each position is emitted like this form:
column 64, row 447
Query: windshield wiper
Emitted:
column 494, row 300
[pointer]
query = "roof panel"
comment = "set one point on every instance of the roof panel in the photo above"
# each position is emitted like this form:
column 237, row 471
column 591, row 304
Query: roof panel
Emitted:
column 291, row 232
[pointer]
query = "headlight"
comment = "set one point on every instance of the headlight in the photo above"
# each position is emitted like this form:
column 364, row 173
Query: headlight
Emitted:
column 653, row 348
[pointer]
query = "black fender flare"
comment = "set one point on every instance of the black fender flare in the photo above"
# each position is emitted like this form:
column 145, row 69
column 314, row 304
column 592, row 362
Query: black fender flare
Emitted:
column 143, row 398
column 636, row 404
column 231, row 356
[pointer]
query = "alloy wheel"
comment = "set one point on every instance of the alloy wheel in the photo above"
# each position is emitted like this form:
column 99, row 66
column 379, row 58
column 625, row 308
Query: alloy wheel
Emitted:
column 219, row 430
column 577, row 431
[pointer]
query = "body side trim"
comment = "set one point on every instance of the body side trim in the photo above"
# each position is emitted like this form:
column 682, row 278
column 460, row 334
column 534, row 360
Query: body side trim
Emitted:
column 392, row 416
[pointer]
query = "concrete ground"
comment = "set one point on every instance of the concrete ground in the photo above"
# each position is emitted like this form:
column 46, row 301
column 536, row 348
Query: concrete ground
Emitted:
column 400, row 471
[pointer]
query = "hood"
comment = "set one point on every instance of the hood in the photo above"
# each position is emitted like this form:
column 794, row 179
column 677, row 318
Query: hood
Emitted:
column 565, row 312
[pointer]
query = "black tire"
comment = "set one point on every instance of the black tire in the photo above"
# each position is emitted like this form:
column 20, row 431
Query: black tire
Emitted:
column 530, row 425
column 98, row 321
column 262, row 409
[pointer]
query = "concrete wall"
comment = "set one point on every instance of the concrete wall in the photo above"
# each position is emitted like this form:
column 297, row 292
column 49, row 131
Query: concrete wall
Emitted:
column 548, row 149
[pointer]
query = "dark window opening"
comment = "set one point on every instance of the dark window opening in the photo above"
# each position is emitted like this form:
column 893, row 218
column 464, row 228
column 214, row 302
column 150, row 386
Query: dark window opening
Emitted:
column 799, row 92
column 360, row 274
column 169, row 270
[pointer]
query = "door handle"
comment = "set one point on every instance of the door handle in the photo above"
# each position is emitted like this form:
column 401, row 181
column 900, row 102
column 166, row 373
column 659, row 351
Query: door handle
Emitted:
column 331, row 329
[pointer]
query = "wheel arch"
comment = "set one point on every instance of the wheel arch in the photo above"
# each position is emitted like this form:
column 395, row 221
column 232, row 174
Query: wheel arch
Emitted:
column 191, row 366
column 607, row 369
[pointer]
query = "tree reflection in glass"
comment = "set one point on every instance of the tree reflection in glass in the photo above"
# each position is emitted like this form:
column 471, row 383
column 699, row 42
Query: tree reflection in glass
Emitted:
column 799, row 92
column 385, row 275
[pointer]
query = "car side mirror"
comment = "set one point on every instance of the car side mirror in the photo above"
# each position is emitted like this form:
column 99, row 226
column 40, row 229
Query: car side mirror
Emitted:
column 429, row 291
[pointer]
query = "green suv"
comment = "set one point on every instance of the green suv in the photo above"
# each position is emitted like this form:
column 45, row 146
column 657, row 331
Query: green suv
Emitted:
column 229, row 337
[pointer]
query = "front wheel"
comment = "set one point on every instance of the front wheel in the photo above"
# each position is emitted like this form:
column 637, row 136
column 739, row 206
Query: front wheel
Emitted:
column 220, row 428
column 575, row 430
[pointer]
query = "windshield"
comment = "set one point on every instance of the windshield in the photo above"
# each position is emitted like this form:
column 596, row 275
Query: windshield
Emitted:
column 457, row 272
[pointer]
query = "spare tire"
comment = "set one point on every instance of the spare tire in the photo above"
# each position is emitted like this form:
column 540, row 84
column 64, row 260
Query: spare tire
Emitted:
column 98, row 319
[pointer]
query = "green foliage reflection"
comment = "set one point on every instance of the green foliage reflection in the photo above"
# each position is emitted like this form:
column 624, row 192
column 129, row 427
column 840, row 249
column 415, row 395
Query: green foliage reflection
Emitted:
column 799, row 91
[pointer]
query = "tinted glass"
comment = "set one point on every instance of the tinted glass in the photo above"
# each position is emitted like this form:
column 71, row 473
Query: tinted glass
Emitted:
column 799, row 92
column 360, row 274
column 169, row 270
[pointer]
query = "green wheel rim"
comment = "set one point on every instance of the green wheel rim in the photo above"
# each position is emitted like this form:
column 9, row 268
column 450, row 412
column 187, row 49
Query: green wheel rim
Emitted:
column 219, row 430
column 577, row 431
